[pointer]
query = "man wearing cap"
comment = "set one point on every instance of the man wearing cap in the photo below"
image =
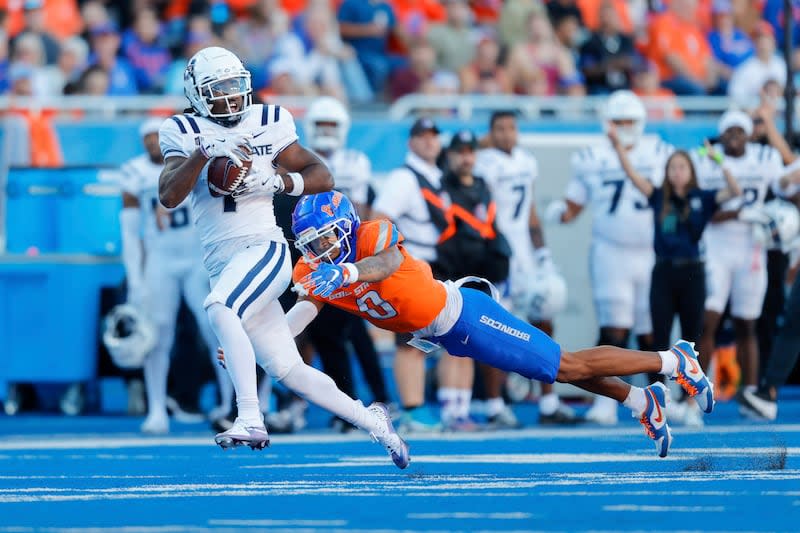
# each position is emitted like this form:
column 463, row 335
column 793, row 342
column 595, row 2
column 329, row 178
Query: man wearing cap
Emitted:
column 750, row 77
column 735, row 263
column 406, row 199
column 161, row 254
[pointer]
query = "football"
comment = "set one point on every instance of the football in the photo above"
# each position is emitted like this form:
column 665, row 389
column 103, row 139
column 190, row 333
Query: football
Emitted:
column 223, row 174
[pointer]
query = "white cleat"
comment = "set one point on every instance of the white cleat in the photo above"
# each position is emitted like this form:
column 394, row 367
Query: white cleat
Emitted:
column 155, row 424
column 243, row 434
column 388, row 437
column 603, row 412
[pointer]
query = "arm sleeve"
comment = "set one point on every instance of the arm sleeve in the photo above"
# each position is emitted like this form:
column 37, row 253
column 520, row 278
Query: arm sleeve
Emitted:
column 382, row 236
column 174, row 138
column 132, row 256
column 129, row 179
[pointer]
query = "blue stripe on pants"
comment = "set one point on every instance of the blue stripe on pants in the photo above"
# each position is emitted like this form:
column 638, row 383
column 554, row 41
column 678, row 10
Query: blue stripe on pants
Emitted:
column 248, row 279
column 488, row 333
column 264, row 284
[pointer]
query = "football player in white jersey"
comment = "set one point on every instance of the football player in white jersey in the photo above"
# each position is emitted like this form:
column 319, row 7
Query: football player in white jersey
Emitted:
column 246, row 254
column 162, row 262
column 510, row 172
column 735, row 262
column 622, row 227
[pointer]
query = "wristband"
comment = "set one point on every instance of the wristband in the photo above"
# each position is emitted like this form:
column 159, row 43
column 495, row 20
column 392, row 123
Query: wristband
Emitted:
column 352, row 272
column 298, row 184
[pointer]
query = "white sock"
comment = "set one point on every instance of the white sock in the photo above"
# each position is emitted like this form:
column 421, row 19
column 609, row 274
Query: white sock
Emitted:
column 448, row 400
column 669, row 363
column 751, row 388
column 319, row 388
column 636, row 401
column 464, row 399
column 240, row 360
column 156, row 369
column 495, row 406
column 548, row 404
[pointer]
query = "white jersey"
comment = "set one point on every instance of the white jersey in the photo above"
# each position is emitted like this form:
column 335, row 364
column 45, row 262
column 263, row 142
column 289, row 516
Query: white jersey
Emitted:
column 164, row 231
column 510, row 178
column 351, row 171
column 620, row 212
column 252, row 216
column 759, row 168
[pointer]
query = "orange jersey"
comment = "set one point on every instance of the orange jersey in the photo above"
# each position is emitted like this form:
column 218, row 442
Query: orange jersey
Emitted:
column 408, row 300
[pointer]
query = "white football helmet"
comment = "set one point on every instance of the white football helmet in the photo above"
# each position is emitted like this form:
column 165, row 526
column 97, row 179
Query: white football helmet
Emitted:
column 215, row 74
column 780, row 225
column 326, row 123
column 547, row 296
column 128, row 336
column 625, row 105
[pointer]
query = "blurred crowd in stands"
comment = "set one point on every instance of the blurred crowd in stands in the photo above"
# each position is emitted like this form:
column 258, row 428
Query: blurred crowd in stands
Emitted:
column 380, row 50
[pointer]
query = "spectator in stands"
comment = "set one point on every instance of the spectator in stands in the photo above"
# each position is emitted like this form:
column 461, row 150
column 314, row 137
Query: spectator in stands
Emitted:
column 513, row 28
column 452, row 40
column 485, row 74
column 567, row 23
column 541, row 65
column 105, row 42
column 94, row 14
column 660, row 103
column 414, row 19
column 322, row 55
column 422, row 65
column 730, row 45
column 34, row 23
column 678, row 46
column 71, row 64
column 29, row 51
column 366, row 26
column 199, row 36
column 607, row 58
column 148, row 57
column 591, row 11
column 749, row 78
column 256, row 36
column 284, row 81
column 95, row 81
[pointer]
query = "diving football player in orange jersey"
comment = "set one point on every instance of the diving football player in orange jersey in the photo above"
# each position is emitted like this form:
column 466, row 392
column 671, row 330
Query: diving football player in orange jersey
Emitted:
column 364, row 269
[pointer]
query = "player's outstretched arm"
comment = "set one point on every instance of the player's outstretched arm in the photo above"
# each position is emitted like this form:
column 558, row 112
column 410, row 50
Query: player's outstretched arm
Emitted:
column 733, row 190
column 637, row 179
column 380, row 266
column 179, row 177
column 314, row 176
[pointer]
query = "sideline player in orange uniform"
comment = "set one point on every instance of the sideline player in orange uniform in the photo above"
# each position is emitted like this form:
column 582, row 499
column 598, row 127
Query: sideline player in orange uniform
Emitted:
column 364, row 269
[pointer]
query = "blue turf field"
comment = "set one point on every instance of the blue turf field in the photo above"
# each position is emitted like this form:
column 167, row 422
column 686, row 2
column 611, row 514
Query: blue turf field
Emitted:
column 57, row 474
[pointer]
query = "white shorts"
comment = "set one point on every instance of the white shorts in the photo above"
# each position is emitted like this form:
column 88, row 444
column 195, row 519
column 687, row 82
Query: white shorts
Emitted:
column 254, row 276
column 738, row 275
column 620, row 278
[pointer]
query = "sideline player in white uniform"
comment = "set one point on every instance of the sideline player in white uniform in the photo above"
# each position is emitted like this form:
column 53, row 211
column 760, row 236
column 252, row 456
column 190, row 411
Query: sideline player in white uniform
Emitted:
column 622, row 257
column 246, row 254
column 735, row 262
column 510, row 172
column 172, row 266
column 326, row 125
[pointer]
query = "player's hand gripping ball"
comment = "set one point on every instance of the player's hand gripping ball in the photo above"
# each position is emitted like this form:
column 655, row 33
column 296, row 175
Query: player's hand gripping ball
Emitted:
column 225, row 175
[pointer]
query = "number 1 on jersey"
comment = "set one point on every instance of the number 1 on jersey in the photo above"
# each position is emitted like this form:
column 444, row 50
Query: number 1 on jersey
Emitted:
column 228, row 204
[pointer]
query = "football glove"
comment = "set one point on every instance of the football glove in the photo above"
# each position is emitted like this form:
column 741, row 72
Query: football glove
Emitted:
column 218, row 146
column 325, row 280
column 259, row 182
column 554, row 211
